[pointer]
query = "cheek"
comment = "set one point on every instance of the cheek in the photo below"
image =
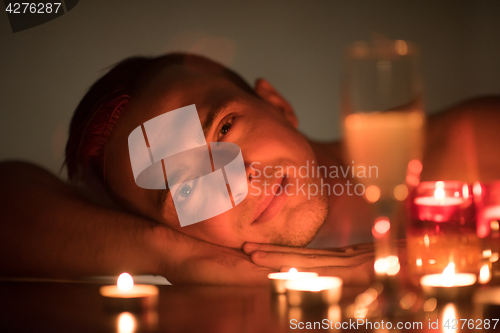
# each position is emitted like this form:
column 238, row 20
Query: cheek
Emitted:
column 282, row 142
column 220, row 229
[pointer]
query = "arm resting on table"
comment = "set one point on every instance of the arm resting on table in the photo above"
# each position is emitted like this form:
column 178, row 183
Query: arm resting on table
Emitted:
column 48, row 230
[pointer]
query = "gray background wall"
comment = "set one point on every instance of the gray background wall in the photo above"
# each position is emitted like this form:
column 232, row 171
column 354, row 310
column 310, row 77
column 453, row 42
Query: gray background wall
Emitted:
column 297, row 45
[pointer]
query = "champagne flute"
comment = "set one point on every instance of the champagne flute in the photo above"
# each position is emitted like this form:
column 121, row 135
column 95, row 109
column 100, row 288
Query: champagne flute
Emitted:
column 383, row 122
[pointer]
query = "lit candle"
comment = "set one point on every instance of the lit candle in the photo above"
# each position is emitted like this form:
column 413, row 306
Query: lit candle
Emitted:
column 440, row 207
column 387, row 266
column 126, row 295
column 317, row 291
column 484, row 274
column 448, row 284
column 277, row 280
column 439, row 198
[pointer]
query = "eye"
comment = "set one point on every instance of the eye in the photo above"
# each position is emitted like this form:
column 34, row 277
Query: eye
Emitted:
column 185, row 191
column 224, row 128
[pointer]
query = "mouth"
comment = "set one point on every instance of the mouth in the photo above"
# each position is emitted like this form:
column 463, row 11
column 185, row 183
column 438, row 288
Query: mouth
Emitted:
column 273, row 203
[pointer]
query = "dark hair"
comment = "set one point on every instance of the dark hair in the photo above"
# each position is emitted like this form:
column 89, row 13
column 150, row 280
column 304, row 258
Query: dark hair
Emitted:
column 100, row 109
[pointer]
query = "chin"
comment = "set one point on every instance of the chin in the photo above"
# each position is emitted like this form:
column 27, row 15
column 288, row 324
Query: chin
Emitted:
column 303, row 223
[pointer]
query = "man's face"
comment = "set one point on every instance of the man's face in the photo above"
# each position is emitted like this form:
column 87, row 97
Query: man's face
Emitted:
column 272, row 148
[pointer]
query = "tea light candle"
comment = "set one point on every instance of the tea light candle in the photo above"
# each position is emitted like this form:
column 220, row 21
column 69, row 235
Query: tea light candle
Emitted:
column 440, row 207
column 313, row 292
column 277, row 280
column 449, row 284
column 126, row 295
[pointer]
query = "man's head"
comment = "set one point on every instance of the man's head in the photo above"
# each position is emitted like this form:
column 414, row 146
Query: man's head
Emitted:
column 257, row 119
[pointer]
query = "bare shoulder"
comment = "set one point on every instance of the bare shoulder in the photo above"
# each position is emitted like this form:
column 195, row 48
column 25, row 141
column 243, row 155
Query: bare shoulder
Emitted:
column 14, row 172
column 22, row 176
column 463, row 142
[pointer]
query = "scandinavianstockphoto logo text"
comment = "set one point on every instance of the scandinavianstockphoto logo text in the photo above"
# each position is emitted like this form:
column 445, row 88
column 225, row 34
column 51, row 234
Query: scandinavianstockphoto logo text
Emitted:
column 263, row 176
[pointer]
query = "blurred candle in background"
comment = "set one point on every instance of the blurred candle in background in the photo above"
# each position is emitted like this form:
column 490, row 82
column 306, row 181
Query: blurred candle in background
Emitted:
column 487, row 199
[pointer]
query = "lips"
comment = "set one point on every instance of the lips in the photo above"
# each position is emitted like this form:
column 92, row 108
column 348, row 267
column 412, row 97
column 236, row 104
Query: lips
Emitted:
column 273, row 203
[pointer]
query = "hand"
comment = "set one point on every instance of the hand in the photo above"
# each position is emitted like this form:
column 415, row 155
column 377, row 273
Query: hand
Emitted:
column 188, row 260
column 354, row 264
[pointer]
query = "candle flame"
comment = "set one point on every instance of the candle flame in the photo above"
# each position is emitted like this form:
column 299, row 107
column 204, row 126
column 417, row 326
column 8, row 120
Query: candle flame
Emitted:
column 388, row 265
column 494, row 225
column 484, row 274
column 427, row 241
column 394, row 265
column 381, row 227
column 381, row 265
column 448, row 276
column 477, row 189
column 293, row 270
column 125, row 282
column 465, row 191
column 439, row 193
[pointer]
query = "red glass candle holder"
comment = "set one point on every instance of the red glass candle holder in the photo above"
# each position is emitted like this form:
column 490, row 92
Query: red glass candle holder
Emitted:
column 442, row 229
column 487, row 200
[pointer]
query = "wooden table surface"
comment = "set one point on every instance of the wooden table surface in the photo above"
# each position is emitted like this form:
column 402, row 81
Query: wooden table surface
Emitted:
column 78, row 307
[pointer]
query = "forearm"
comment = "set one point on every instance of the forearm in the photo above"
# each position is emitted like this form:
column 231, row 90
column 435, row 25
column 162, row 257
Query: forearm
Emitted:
column 48, row 230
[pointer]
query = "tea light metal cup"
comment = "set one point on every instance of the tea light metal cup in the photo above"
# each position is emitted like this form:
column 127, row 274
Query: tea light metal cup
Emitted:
column 449, row 285
column 314, row 292
column 127, row 296
column 277, row 280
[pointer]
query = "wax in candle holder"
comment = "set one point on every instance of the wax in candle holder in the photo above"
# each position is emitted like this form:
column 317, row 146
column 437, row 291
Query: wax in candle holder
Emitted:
column 125, row 296
column 314, row 292
column 277, row 280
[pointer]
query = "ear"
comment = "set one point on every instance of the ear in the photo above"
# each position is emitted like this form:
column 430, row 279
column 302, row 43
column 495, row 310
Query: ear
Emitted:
column 267, row 92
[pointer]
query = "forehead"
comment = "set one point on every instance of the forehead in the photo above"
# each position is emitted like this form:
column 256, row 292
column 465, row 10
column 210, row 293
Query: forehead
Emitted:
column 175, row 87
